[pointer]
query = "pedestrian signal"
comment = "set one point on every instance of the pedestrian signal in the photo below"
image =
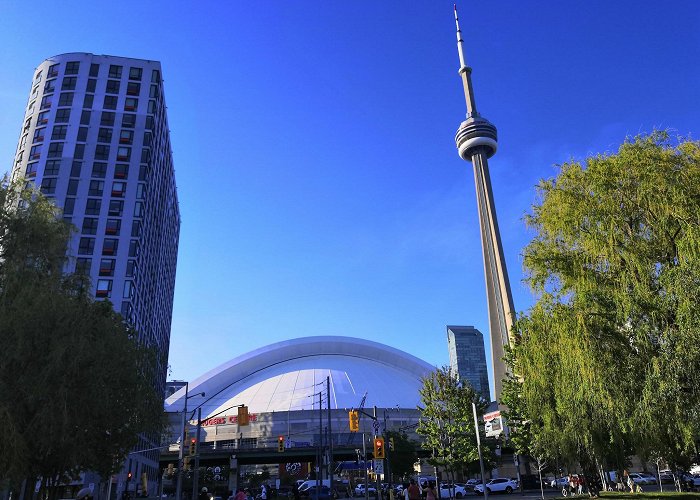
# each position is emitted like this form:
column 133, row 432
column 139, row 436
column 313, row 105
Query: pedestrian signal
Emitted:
column 280, row 444
column 171, row 470
column 193, row 445
column 354, row 421
column 378, row 448
column 391, row 444
column 243, row 415
column 186, row 464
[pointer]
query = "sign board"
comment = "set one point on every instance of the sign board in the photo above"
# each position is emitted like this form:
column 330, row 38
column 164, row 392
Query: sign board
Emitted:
column 493, row 424
column 379, row 466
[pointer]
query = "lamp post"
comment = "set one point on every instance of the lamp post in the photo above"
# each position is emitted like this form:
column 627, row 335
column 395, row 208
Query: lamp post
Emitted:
column 183, row 438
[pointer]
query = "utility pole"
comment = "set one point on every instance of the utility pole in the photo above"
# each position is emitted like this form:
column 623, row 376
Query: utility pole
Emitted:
column 478, row 445
column 330, row 435
column 195, row 479
column 364, row 466
column 181, row 454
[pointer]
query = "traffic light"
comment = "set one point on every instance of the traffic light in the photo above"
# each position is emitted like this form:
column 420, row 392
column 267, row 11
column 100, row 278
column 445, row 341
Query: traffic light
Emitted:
column 193, row 445
column 280, row 444
column 144, row 482
column 243, row 415
column 391, row 444
column 378, row 448
column 354, row 417
column 128, row 476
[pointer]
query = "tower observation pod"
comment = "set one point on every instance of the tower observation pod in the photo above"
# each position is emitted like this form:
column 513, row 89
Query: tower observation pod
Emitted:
column 476, row 142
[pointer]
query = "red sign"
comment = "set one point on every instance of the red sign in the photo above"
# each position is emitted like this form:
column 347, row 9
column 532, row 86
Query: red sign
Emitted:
column 227, row 419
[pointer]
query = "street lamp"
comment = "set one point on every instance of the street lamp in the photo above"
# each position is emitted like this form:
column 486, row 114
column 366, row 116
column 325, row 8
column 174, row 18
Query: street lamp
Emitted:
column 183, row 437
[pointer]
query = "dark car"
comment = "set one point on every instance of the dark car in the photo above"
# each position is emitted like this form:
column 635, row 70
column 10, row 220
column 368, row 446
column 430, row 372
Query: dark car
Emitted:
column 322, row 493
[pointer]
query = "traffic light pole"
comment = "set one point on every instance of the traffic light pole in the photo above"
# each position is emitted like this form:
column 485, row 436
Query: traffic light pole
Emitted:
column 364, row 466
column 330, row 436
column 376, row 428
column 195, row 478
column 181, row 454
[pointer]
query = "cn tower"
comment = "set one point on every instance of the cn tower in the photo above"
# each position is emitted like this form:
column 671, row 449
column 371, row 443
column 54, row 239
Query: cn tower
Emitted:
column 476, row 142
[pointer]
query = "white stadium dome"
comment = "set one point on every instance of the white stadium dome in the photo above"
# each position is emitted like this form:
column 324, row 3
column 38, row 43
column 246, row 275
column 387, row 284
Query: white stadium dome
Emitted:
column 288, row 375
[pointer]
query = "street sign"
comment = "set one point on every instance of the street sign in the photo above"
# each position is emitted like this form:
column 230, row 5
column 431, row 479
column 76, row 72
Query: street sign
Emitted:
column 379, row 466
column 493, row 424
column 375, row 424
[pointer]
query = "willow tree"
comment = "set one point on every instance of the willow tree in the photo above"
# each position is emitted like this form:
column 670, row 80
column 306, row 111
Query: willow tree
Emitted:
column 609, row 354
column 76, row 386
column 447, row 422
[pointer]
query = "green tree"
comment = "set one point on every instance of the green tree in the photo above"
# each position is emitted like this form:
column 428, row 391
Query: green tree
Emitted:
column 608, row 354
column 447, row 422
column 402, row 456
column 76, row 386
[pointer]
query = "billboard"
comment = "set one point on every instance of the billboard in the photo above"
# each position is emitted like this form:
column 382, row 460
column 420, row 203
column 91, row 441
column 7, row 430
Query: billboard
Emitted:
column 493, row 424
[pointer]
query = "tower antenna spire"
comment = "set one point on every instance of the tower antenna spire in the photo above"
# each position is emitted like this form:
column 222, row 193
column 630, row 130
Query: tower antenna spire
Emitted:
column 465, row 72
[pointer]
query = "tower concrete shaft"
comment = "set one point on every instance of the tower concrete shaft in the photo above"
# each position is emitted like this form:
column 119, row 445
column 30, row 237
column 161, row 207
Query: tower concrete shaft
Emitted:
column 476, row 142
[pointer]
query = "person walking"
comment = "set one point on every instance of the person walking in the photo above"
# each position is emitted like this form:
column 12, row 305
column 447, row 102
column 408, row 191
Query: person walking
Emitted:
column 413, row 491
column 430, row 492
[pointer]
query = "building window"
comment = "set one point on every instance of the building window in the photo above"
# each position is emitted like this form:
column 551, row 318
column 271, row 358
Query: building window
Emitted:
column 118, row 189
column 145, row 155
column 48, row 185
column 136, row 229
column 62, row 115
column 133, row 248
column 42, row 118
column 130, row 104
column 133, row 88
column 116, row 207
column 99, row 170
column 135, row 73
column 153, row 92
column 72, row 187
column 89, row 225
column 59, row 132
column 69, row 83
column 82, row 265
column 96, row 188
column 82, row 134
column 151, row 107
column 126, row 137
column 138, row 209
column 130, row 268
column 110, row 246
column 85, row 118
column 128, row 120
column 37, row 77
column 52, row 167
column 86, row 246
column 104, row 288
column 79, row 151
column 92, row 206
column 107, row 267
column 113, row 225
column 112, row 87
column 91, row 85
column 53, row 71
column 35, row 152
column 55, row 150
column 115, row 71
column 128, row 290
column 72, row 67
column 121, row 171
column 31, row 170
column 101, row 152
column 46, row 102
column 155, row 76
column 94, row 69
column 123, row 153
column 110, row 102
column 140, row 191
column 38, row 135
column 68, row 206
column 104, row 135
column 49, row 87
column 66, row 99
column 107, row 118
column 126, row 311
column 75, row 168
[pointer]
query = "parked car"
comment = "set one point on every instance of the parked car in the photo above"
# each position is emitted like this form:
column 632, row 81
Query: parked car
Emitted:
column 360, row 490
column 469, row 486
column 452, row 491
column 322, row 493
column 642, row 478
column 496, row 486
column 559, row 482
column 666, row 476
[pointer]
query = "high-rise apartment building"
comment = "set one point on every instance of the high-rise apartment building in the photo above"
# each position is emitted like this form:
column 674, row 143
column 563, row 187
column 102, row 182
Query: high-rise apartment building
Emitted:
column 468, row 357
column 95, row 138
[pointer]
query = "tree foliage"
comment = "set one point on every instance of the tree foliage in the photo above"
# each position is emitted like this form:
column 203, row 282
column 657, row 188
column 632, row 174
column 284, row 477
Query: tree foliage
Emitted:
column 447, row 422
column 403, row 454
column 608, row 354
column 76, row 387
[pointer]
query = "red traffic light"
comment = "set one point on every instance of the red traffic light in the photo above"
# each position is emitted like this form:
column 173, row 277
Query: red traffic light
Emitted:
column 128, row 476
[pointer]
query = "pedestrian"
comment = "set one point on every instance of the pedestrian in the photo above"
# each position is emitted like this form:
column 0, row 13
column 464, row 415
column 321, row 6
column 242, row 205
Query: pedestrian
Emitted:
column 430, row 492
column 581, row 481
column 263, row 493
column 240, row 494
column 413, row 491
column 203, row 495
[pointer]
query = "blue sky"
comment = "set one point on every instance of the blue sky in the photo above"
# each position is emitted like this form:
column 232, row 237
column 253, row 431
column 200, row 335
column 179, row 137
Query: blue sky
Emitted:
column 320, row 189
